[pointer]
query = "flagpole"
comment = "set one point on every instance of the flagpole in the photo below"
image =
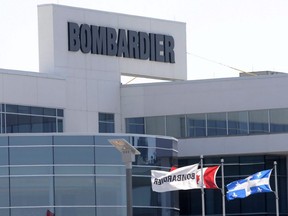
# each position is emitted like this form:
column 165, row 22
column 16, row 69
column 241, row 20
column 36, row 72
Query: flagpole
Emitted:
column 223, row 188
column 276, row 189
column 202, row 186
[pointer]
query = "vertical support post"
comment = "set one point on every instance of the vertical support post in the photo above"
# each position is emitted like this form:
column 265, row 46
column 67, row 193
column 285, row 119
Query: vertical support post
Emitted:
column 276, row 189
column 129, row 189
column 223, row 188
column 202, row 186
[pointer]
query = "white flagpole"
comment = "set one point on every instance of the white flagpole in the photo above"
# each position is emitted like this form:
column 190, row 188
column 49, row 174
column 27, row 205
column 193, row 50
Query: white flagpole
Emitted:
column 202, row 186
column 276, row 189
column 223, row 188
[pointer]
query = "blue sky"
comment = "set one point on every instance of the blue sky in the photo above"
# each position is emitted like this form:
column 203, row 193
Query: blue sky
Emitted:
column 249, row 35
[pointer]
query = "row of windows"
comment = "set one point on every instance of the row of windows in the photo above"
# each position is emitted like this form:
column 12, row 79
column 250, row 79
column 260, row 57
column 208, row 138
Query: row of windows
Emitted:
column 30, row 119
column 212, row 124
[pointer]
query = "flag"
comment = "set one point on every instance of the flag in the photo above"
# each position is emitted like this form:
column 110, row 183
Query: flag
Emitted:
column 49, row 213
column 183, row 178
column 209, row 175
column 173, row 168
column 256, row 183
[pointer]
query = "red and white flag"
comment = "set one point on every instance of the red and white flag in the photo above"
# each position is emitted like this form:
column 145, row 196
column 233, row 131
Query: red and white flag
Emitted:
column 209, row 175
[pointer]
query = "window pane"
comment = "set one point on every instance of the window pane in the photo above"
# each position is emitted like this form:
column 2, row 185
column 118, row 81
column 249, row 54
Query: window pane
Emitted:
column 258, row 122
column 49, row 124
column 76, row 211
column 60, row 125
column 75, row 190
column 155, row 125
column 237, row 123
column 36, row 124
column 196, row 125
column 175, row 126
column 106, row 123
column 73, row 155
column 114, row 189
column 279, row 120
column 37, row 110
column 27, row 211
column 105, row 127
column 102, row 152
column 31, row 191
column 4, row 190
column 106, row 117
column 60, row 112
column 11, row 108
column 24, row 109
column 216, row 124
column 31, row 155
column 135, row 125
column 49, row 112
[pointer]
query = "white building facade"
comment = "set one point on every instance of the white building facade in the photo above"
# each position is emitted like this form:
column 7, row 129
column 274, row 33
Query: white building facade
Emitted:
column 78, row 90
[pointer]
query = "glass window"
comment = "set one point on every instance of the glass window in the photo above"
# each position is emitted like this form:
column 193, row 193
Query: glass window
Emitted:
column 155, row 125
column 11, row 108
column 279, row 120
column 216, row 124
column 26, row 211
column 258, row 122
column 75, row 190
column 114, row 189
column 60, row 112
column 24, row 109
column 49, row 111
column 175, row 126
column 135, row 125
column 237, row 123
column 31, row 191
column 106, row 123
column 4, row 190
column 36, row 124
column 74, row 140
column 76, row 211
column 31, row 155
column 73, row 155
column 113, row 211
column 49, row 124
column 196, row 125
column 29, row 124
column 60, row 125
column 37, row 110
column 102, row 152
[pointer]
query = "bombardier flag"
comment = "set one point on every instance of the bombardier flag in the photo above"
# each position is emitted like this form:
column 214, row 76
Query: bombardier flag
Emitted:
column 183, row 178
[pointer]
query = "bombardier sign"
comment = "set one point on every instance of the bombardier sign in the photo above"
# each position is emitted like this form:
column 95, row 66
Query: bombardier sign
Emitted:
column 124, row 43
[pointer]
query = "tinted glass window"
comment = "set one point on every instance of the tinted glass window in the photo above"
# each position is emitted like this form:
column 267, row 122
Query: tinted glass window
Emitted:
column 75, row 190
column 196, row 125
column 258, row 122
column 155, row 125
column 237, row 123
column 279, row 120
column 113, row 188
column 106, row 123
column 175, row 126
column 135, row 125
column 216, row 124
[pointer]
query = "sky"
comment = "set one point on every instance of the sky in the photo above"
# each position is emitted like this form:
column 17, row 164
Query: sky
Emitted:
column 224, row 37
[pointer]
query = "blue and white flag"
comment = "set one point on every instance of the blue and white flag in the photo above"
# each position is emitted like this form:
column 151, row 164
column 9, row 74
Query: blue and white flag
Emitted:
column 257, row 183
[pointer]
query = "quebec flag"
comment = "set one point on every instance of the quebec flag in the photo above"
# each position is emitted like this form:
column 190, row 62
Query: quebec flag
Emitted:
column 257, row 183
